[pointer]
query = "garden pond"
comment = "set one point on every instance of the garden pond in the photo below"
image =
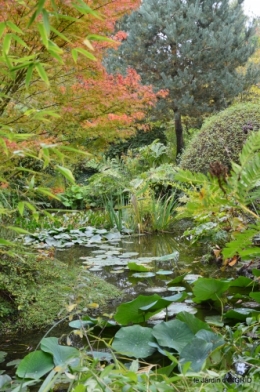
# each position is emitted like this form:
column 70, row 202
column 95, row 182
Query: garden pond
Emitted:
column 157, row 264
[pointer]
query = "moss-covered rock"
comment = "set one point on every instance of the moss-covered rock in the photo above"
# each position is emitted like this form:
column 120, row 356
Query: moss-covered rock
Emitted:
column 221, row 137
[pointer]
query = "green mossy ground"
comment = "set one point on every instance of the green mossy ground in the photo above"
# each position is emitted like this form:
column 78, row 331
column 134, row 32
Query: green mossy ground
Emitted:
column 44, row 300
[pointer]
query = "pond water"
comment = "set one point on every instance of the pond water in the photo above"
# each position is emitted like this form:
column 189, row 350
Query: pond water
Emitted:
column 109, row 261
column 140, row 249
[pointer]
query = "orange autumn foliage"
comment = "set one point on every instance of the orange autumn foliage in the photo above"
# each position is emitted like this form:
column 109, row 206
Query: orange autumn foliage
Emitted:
column 91, row 103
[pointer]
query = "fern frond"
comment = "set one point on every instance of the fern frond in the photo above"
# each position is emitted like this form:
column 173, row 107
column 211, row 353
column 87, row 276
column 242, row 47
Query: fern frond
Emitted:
column 190, row 177
column 245, row 177
column 242, row 243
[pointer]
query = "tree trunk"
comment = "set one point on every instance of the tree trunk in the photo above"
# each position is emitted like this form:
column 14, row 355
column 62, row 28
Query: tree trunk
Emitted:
column 179, row 133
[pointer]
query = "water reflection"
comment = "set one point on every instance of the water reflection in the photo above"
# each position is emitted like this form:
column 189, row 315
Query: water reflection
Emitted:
column 155, row 245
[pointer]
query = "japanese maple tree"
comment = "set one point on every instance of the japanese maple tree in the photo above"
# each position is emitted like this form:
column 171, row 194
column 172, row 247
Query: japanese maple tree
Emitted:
column 57, row 87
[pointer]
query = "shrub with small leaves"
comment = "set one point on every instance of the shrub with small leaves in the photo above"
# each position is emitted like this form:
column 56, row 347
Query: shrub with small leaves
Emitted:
column 221, row 138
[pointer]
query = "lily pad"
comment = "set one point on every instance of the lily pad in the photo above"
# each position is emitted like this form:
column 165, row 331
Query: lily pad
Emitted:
column 95, row 238
column 156, row 289
column 176, row 280
column 172, row 256
column 193, row 322
column 256, row 272
column 35, row 365
column 214, row 320
column 61, row 354
column 78, row 324
column 196, row 352
column 242, row 281
column 28, row 240
column 117, row 271
column 176, row 288
column 209, row 289
column 52, row 242
column 101, row 356
column 129, row 254
column 133, row 341
column 210, row 337
column 78, row 241
column 164, row 272
column 129, row 312
column 127, row 231
column 255, row 296
column 96, row 269
column 4, row 379
column 239, row 314
column 112, row 252
column 191, row 278
column 89, row 321
column 113, row 236
column 101, row 231
column 137, row 267
column 143, row 274
column 68, row 244
column 173, row 334
column 63, row 236
column 174, row 309
column 86, row 234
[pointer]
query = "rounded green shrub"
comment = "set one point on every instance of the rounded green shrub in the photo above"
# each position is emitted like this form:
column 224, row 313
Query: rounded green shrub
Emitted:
column 221, row 138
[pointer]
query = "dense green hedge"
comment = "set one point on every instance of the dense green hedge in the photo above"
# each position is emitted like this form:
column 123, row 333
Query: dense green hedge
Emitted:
column 221, row 137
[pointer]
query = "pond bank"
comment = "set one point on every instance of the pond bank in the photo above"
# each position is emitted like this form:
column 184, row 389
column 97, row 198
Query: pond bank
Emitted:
column 66, row 289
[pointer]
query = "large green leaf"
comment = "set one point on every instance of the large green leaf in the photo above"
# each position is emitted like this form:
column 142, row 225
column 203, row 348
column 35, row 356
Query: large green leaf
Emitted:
column 255, row 296
column 238, row 314
column 192, row 322
column 256, row 272
column 241, row 281
column 196, row 352
column 176, row 280
column 173, row 334
column 61, row 354
column 209, row 288
column 130, row 312
column 66, row 173
column 133, row 341
column 210, row 337
column 35, row 365
column 160, row 304
column 18, row 230
column 137, row 267
column 5, row 379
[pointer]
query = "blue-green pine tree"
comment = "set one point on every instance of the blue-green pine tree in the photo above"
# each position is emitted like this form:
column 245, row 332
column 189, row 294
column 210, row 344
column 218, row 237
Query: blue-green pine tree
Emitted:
column 193, row 48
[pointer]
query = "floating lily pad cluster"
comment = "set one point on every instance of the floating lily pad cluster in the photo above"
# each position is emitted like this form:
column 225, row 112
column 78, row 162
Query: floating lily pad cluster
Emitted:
column 109, row 255
column 64, row 238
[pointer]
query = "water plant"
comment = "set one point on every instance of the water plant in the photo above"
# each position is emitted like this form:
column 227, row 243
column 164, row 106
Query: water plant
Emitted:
column 192, row 351
column 162, row 213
